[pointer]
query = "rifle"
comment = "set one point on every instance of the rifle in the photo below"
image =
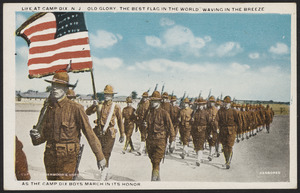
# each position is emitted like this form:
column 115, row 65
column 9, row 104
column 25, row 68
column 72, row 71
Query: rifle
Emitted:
column 182, row 98
column 78, row 162
column 42, row 115
column 209, row 94
column 75, row 85
column 148, row 90
column 200, row 94
column 156, row 87
column 162, row 89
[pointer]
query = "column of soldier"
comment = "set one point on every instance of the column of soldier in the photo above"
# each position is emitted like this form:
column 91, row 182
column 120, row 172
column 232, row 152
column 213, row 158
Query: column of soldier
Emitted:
column 62, row 119
column 209, row 121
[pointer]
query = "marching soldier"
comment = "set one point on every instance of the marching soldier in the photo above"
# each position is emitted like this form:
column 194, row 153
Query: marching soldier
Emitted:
column 185, row 125
column 268, row 115
column 141, row 112
column 228, row 122
column 218, row 142
column 245, row 120
column 60, row 128
column 71, row 94
column 166, row 105
column 105, row 127
column 241, row 121
column 199, row 126
column 128, row 114
column 174, row 117
column 158, row 124
column 212, row 127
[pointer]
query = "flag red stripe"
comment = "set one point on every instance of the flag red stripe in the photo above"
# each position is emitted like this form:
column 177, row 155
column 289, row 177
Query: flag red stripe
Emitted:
column 64, row 55
column 63, row 44
column 40, row 27
column 42, row 37
column 74, row 66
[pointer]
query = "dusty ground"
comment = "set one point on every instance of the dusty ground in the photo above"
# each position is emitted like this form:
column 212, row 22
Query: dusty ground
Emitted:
column 252, row 159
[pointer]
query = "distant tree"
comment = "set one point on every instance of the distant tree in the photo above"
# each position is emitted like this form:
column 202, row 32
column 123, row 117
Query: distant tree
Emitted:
column 134, row 94
column 48, row 88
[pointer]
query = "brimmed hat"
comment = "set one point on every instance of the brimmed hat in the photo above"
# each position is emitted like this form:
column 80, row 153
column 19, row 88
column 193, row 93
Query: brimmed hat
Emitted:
column 128, row 100
column 109, row 90
column 219, row 102
column 212, row 99
column 71, row 94
column 201, row 101
column 155, row 96
column 165, row 95
column 145, row 94
column 173, row 98
column 61, row 77
column 186, row 100
column 238, row 105
column 227, row 99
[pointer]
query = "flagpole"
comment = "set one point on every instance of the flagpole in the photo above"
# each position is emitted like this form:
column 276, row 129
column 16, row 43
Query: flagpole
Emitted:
column 93, row 83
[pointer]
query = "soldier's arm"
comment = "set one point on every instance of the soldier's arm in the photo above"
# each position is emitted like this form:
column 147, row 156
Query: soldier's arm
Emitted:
column 92, row 109
column 83, row 123
column 119, row 120
column 170, row 127
column 41, row 139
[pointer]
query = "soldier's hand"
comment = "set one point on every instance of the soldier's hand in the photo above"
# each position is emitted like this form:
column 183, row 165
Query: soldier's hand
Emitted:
column 101, row 164
column 218, row 131
column 210, row 136
column 121, row 139
column 34, row 134
column 95, row 102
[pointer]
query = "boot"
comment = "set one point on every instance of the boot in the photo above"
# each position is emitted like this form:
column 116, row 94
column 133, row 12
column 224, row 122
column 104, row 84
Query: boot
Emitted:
column 104, row 174
column 218, row 150
column 211, row 153
column 183, row 154
column 227, row 164
column 125, row 147
column 131, row 146
column 229, row 160
column 155, row 175
column 243, row 137
column 199, row 157
column 141, row 148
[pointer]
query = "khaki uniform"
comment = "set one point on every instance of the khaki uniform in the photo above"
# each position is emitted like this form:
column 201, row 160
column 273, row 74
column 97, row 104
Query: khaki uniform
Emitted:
column 128, row 114
column 21, row 166
column 199, row 127
column 159, row 124
column 185, row 116
column 167, row 107
column 245, row 121
column 268, row 120
column 212, row 126
column 174, row 117
column 107, row 139
column 141, row 112
column 61, row 128
column 228, row 123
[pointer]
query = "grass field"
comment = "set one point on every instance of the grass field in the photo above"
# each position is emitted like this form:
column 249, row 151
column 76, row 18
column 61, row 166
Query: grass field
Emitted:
column 280, row 109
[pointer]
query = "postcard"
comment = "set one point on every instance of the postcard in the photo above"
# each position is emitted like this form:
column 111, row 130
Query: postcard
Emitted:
column 149, row 96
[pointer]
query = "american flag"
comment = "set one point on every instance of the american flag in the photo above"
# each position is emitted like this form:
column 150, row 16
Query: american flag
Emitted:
column 56, row 41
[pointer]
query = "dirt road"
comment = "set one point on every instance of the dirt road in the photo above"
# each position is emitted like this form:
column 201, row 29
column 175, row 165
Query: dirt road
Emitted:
column 263, row 158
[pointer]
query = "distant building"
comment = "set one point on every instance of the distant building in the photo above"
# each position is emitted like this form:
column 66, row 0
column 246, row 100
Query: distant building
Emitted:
column 31, row 95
